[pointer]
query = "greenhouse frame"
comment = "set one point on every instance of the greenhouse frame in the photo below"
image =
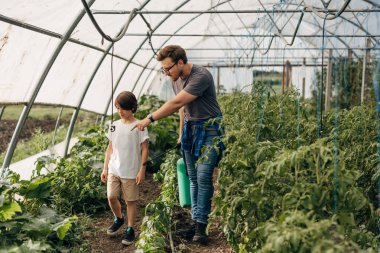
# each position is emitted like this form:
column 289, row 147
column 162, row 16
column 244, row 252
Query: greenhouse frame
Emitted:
column 324, row 54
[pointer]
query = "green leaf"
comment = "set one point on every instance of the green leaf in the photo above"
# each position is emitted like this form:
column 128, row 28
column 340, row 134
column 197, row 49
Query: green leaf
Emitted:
column 8, row 210
column 64, row 226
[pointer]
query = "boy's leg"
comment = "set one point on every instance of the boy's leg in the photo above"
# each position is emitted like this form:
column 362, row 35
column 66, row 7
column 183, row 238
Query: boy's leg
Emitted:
column 113, row 191
column 131, row 213
column 130, row 194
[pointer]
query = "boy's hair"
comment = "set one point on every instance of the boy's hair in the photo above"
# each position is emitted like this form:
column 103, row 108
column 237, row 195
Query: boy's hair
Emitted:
column 175, row 52
column 127, row 101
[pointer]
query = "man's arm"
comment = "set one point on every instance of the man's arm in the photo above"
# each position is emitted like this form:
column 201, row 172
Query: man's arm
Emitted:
column 170, row 107
column 173, row 105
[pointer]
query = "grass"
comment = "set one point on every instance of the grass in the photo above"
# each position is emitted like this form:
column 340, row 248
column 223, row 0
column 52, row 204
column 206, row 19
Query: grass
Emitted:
column 13, row 112
column 41, row 141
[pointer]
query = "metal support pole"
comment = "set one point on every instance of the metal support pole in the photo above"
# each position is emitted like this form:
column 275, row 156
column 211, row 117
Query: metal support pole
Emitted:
column 257, row 11
column 2, row 109
column 28, row 107
column 249, row 36
column 103, row 119
column 70, row 130
column 364, row 75
column 328, row 94
column 56, row 125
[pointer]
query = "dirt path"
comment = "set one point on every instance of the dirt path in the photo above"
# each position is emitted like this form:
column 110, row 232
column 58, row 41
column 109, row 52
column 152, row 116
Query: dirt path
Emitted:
column 97, row 235
column 99, row 242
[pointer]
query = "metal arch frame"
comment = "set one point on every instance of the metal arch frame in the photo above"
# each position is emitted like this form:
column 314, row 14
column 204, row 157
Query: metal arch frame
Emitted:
column 338, row 38
column 56, row 35
column 112, row 12
column 134, row 54
column 180, row 28
column 275, row 48
column 318, row 25
column 351, row 22
column 211, row 36
column 331, row 35
column 373, row 4
column 198, row 42
column 360, row 28
column 249, row 35
column 84, row 92
column 28, row 106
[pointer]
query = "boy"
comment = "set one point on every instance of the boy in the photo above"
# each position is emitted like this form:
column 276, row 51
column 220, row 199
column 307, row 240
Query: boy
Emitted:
column 126, row 153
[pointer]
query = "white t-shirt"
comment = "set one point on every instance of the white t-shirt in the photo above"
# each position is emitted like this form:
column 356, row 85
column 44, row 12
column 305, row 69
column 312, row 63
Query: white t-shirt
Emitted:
column 125, row 160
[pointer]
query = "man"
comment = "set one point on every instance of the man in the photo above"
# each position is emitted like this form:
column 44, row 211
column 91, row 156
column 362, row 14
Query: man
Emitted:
column 196, row 100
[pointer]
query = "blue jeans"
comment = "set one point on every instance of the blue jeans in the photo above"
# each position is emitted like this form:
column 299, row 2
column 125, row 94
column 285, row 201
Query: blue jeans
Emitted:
column 201, row 182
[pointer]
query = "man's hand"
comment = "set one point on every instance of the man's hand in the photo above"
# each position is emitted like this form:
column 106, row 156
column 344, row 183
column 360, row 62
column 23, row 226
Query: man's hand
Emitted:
column 141, row 175
column 142, row 124
column 103, row 177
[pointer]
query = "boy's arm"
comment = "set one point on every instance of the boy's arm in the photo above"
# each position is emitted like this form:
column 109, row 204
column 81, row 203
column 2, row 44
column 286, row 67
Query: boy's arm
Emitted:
column 144, row 157
column 106, row 160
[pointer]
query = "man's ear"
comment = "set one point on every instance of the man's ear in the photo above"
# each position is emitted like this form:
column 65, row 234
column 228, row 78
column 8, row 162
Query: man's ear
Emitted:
column 180, row 62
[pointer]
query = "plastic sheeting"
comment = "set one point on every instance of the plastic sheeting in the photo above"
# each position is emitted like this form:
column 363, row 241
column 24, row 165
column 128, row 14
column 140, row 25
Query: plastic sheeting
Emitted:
column 31, row 30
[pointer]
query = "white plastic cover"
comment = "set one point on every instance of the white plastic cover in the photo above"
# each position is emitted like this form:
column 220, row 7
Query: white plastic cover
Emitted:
column 30, row 32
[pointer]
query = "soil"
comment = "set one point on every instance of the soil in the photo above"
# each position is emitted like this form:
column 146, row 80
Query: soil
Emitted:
column 7, row 128
column 100, row 242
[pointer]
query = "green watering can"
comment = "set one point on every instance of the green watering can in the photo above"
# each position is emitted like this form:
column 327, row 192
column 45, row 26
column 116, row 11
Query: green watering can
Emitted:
column 183, row 184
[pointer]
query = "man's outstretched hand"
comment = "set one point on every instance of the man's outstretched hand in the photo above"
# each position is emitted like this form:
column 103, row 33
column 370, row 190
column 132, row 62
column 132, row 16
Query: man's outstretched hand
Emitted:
column 142, row 124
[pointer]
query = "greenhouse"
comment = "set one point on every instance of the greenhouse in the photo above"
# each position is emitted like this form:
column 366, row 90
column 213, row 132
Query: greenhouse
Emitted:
column 190, row 126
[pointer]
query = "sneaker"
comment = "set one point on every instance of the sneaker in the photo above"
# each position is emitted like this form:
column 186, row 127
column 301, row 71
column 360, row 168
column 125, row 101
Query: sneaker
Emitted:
column 117, row 223
column 129, row 236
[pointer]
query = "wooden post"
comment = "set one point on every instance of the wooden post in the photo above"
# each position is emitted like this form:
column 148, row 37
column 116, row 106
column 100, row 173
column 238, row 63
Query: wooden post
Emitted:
column 304, row 77
column 286, row 75
column 217, row 80
column 364, row 75
column 283, row 79
column 328, row 92
column 349, row 55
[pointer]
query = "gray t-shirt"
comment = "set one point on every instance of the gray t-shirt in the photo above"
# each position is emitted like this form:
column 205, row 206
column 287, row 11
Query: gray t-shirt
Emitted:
column 201, row 84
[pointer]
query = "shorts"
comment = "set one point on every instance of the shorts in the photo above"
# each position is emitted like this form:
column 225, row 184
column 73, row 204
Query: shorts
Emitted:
column 117, row 185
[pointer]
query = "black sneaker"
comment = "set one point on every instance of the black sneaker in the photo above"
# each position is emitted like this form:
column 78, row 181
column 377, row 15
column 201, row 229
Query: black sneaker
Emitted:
column 129, row 236
column 117, row 223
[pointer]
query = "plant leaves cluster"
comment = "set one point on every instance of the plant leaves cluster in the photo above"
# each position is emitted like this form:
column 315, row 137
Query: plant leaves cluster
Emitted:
column 284, row 189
